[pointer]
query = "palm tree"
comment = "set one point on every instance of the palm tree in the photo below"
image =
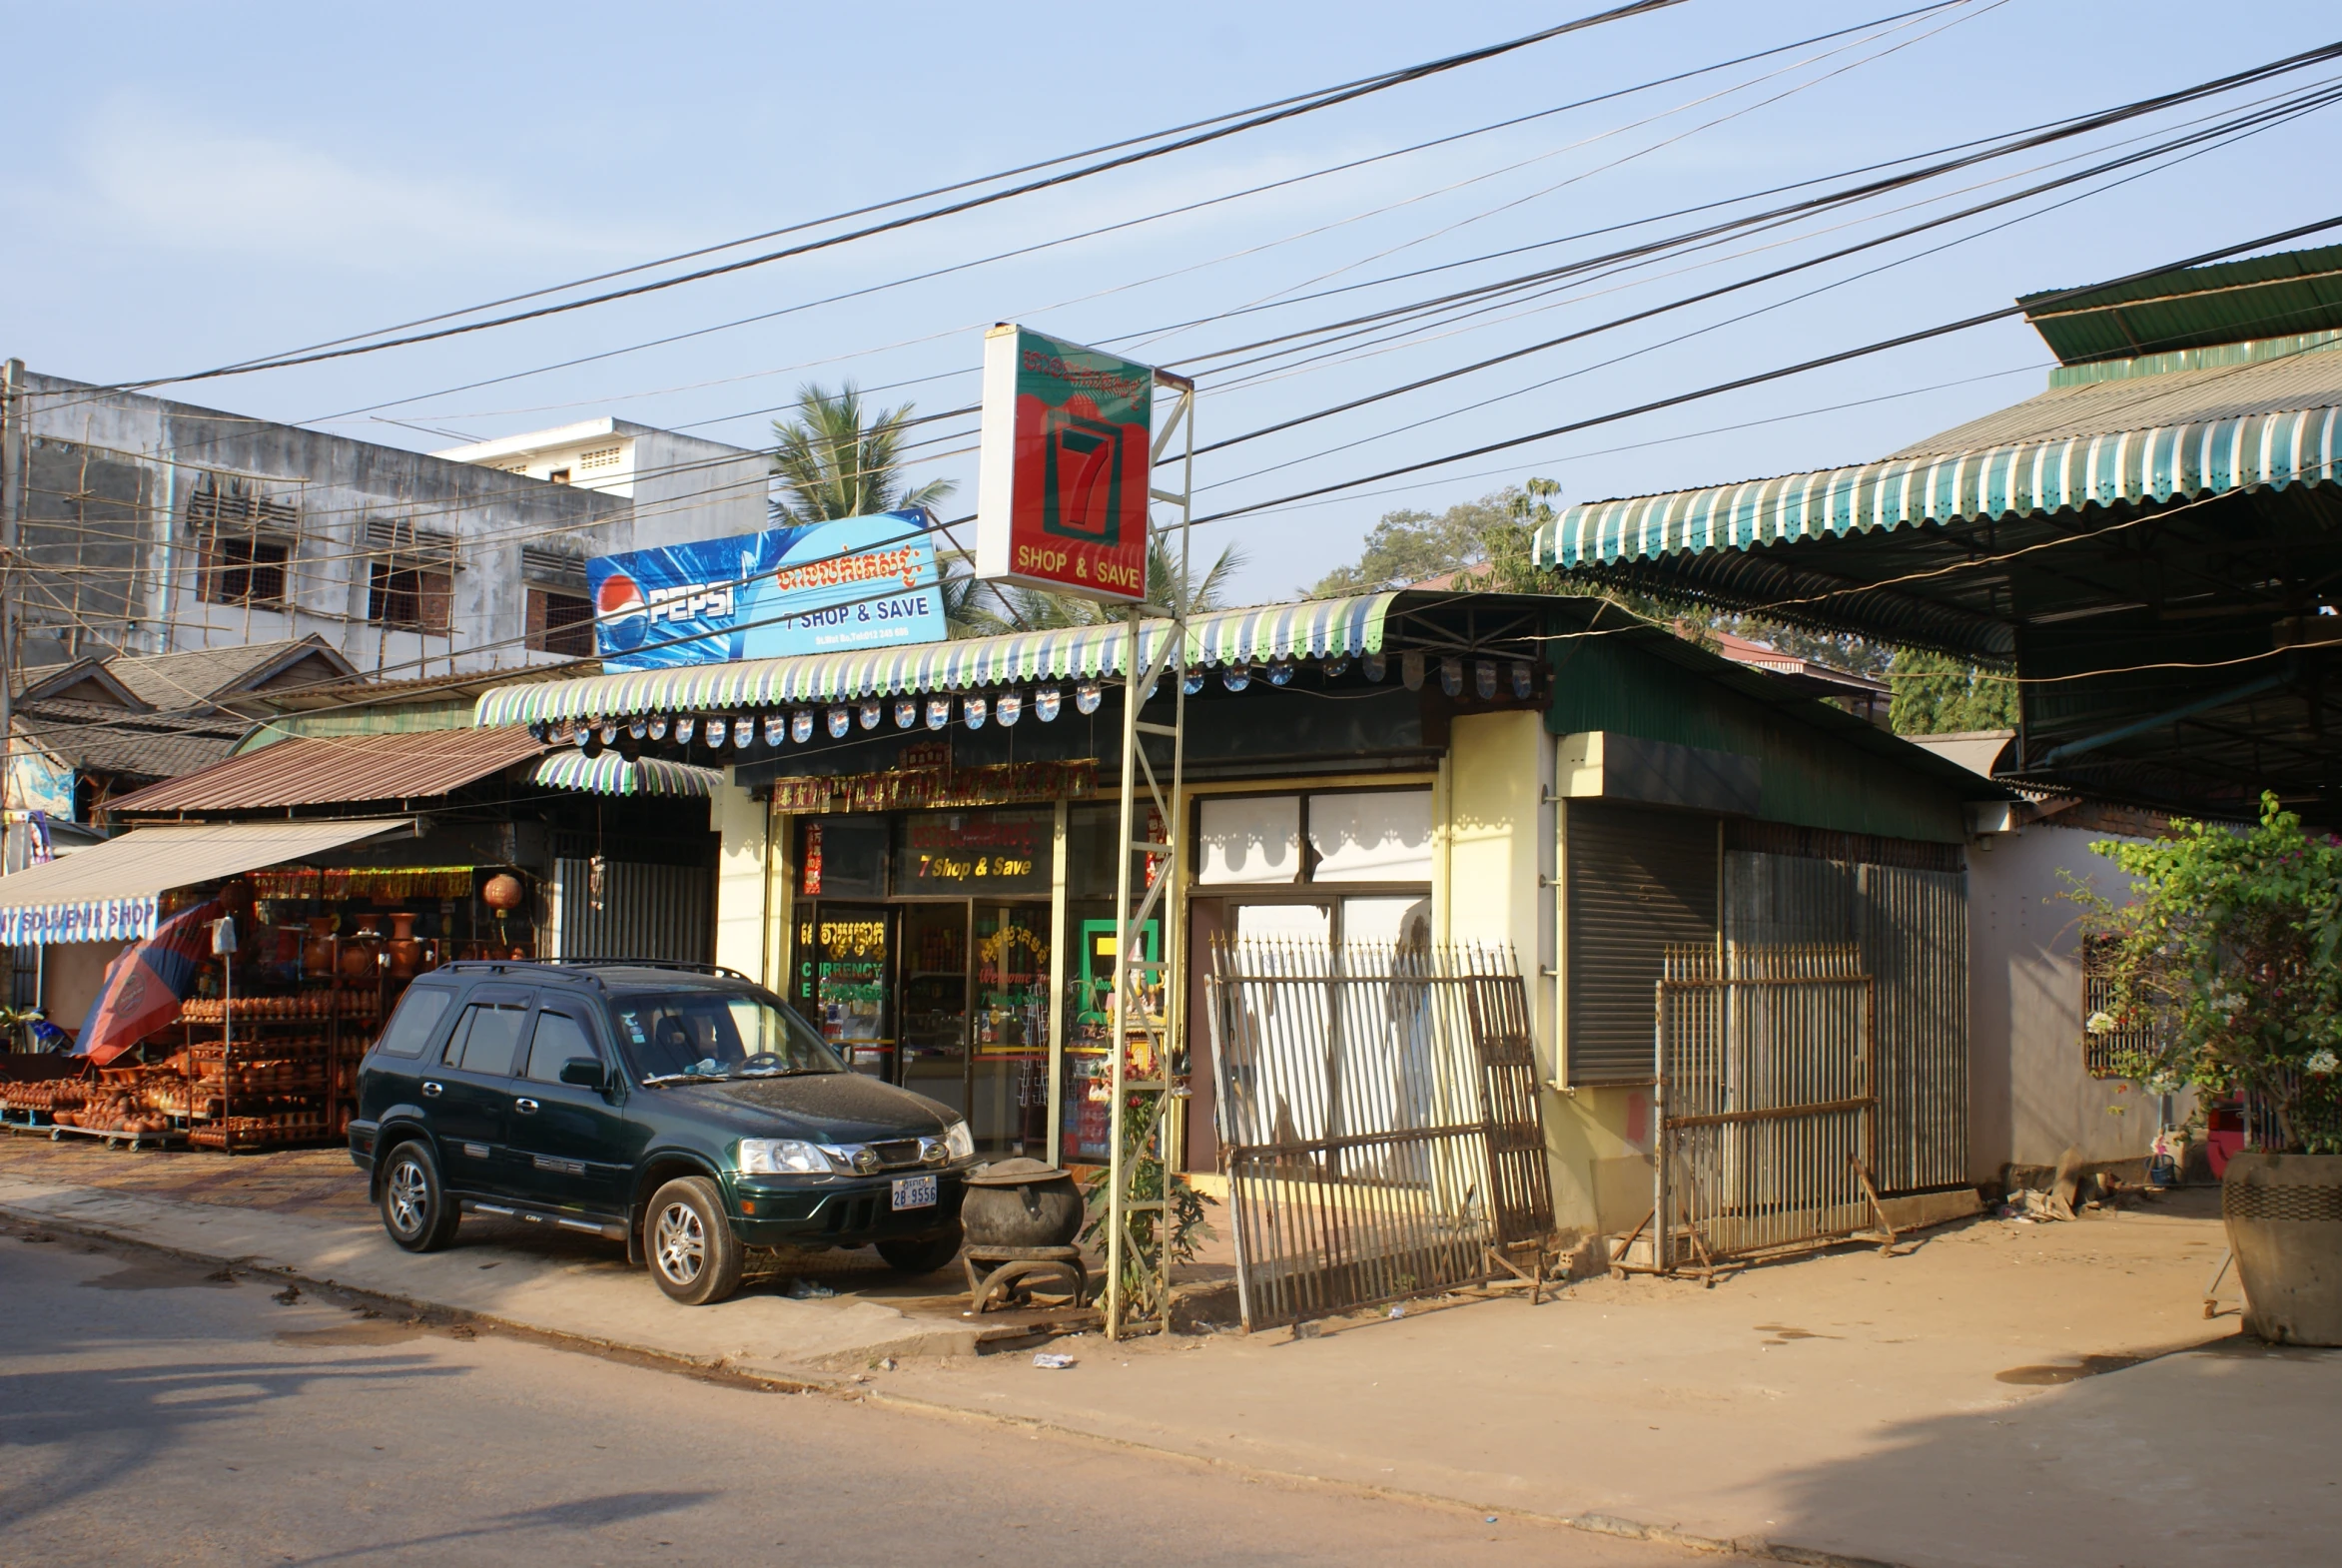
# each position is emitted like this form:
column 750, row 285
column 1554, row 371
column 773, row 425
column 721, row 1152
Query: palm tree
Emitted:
column 1034, row 609
column 834, row 462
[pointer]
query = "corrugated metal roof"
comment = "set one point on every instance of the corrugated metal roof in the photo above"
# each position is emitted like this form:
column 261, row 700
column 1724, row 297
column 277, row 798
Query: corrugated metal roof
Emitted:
column 2059, row 475
column 2291, row 374
column 607, row 773
column 110, row 891
column 2227, row 302
column 1313, row 629
column 335, row 771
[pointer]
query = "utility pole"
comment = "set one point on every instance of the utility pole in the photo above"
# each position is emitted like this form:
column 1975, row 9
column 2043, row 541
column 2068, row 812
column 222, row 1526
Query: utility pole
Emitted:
column 15, row 452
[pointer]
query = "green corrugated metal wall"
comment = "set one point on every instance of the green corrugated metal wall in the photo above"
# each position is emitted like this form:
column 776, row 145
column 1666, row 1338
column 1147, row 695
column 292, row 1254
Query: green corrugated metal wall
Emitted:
column 1811, row 778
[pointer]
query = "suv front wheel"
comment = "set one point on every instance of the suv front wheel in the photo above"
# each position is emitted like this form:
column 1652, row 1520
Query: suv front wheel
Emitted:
column 416, row 1210
column 693, row 1255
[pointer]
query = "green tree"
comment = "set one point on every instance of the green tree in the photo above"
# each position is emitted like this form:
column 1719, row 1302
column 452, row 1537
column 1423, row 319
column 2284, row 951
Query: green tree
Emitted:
column 1939, row 695
column 835, row 459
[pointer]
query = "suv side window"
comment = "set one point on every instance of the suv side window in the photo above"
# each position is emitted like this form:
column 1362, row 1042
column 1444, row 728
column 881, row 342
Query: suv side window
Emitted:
column 416, row 1016
column 486, row 1037
column 556, row 1038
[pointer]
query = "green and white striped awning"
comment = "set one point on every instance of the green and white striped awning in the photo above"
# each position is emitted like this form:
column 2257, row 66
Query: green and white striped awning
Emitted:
column 1319, row 629
column 607, row 773
column 2203, row 457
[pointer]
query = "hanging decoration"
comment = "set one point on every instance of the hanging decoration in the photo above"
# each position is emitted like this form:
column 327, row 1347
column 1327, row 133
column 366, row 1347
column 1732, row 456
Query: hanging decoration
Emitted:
column 684, row 725
column 1046, row 702
column 1237, row 676
column 743, row 732
column 776, row 728
column 1087, row 697
column 1008, row 707
column 905, row 712
column 939, row 712
column 870, row 713
column 658, row 726
column 972, row 708
column 801, row 725
column 839, row 721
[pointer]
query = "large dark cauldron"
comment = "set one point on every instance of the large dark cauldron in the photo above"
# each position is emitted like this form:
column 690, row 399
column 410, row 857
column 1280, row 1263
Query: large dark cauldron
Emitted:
column 1020, row 1203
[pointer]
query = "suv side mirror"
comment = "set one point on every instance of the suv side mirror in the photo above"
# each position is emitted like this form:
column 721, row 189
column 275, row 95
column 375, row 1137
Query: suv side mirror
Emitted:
column 585, row 1072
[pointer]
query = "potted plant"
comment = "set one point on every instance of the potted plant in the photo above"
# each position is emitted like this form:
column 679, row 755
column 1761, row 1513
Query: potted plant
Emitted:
column 2227, row 969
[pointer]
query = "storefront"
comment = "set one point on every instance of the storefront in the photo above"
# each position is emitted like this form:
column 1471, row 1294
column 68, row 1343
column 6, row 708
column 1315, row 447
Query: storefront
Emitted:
column 919, row 843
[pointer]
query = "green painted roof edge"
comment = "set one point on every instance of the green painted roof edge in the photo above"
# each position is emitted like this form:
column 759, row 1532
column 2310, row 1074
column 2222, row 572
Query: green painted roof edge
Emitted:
column 1312, row 628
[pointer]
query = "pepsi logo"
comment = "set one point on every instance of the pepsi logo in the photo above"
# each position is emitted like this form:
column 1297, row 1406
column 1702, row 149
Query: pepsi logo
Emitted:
column 623, row 616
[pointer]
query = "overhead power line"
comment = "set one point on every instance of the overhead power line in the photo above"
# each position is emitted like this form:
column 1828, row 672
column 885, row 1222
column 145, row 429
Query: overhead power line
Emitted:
column 1285, row 109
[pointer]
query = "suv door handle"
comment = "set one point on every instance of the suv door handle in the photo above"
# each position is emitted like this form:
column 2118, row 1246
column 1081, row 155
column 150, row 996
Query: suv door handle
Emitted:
column 431, row 1091
column 525, row 1106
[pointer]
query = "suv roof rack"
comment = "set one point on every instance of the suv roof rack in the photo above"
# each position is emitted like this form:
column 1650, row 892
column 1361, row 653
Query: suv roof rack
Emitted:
column 500, row 966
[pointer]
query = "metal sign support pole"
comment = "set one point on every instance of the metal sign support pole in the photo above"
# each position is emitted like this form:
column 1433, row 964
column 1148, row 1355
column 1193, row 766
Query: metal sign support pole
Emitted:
column 1150, row 1064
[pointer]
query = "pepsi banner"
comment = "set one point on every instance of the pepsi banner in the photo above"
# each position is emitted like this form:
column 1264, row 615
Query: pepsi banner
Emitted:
column 860, row 583
column 1064, row 466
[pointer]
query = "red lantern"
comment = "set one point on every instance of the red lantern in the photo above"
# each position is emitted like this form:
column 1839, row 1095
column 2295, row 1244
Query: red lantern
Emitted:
column 503, row 893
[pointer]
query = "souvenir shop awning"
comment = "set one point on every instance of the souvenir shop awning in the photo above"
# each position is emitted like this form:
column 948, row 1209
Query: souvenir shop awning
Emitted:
column 607, row 773
column 1319, row 629
column 2185, row 460
column 111, row 891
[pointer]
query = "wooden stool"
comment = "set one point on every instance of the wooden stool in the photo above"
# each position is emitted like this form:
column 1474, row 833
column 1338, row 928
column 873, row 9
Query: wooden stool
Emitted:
column 1014, row 1271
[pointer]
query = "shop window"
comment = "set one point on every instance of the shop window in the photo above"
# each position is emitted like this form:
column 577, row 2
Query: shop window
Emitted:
column 1386, row 922
column 560, row 623
column 984, row 853
column 245, row 572
column 417, row 600
column 1250, row 840
column 1377, row 836
column 1308, row 923
column 842, row 857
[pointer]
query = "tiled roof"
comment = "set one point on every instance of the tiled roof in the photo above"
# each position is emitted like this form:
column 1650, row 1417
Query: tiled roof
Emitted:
column 99, row 740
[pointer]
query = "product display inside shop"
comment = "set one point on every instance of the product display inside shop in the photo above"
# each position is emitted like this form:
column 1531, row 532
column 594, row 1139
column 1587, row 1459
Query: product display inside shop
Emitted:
column 922, row 950
column 240, row 1023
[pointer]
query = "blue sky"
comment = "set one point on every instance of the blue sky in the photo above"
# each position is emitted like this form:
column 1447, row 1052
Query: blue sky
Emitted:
column 190, row 185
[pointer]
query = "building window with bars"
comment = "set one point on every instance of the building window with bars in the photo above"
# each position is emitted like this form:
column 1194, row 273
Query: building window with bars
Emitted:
column 560, row 623
column 245, row 571
column 413, row 599
column 2106, row 1048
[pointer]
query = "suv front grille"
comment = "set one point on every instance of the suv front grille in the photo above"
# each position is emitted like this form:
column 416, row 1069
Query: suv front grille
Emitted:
column 897, row 1152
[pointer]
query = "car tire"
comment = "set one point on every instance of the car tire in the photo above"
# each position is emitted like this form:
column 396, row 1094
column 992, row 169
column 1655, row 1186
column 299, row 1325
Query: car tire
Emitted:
column 693, row 1254
column 417, row 1208
column 921, row 1256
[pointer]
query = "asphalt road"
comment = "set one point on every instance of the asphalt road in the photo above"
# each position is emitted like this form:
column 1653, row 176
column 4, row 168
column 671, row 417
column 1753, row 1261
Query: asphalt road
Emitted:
column 152, row 1412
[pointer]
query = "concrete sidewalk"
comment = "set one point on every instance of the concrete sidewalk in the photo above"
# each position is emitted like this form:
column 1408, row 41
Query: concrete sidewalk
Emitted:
column 2005, row 1393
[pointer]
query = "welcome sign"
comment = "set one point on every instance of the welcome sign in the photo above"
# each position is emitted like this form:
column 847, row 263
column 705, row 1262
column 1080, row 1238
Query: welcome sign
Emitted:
column 858, row 582
column 1060, row 501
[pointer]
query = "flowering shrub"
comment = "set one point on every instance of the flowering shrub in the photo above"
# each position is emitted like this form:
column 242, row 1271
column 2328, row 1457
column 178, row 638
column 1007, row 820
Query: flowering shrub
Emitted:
column 2230, row 949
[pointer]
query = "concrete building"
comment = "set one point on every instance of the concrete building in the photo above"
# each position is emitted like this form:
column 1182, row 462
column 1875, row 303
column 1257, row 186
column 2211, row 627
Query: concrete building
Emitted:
column 153, row 526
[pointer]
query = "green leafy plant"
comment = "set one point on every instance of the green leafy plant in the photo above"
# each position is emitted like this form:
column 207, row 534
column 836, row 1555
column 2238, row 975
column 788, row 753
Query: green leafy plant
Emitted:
column 1189, row 1226
column 2224, row 962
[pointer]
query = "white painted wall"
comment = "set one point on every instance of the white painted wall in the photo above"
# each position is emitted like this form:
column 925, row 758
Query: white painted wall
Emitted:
column 2029, row 1099
column 744, row 825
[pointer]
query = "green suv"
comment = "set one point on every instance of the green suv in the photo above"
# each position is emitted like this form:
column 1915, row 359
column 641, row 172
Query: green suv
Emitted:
column 679, row 1108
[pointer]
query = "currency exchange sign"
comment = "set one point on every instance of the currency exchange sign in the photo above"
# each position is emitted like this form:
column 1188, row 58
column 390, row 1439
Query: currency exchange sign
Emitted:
column 1064, row 461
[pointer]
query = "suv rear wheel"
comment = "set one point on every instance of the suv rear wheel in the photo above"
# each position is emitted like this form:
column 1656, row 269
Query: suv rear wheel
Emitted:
column 416, row 1210
column 693, row 1255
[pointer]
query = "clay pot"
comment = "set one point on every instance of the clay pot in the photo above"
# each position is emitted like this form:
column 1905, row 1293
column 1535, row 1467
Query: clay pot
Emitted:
column 2284, row 1219
column 358, row 962
column 404, row 948
column 503, row 893
column 1020, row 1203
column 316, row 953
column 235, row 897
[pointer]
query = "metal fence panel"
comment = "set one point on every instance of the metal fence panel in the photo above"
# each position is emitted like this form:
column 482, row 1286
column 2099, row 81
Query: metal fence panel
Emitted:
column 1912, row 930
column 637, row 911
column 1766, row 1099
column 1378, row 1121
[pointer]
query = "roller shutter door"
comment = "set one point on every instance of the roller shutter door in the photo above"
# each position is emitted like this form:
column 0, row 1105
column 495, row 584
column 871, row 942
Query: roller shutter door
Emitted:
column 1639, row 881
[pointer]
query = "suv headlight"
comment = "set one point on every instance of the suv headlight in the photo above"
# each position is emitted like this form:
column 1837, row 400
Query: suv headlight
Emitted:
column 781, row 1157
column 959, row 1141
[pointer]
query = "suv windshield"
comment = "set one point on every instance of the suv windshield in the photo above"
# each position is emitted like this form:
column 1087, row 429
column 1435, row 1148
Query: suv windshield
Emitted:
column 716, row 1034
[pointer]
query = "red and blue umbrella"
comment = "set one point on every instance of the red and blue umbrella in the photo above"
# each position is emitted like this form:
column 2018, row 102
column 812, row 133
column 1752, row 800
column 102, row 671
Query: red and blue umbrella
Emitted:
column 146, row 984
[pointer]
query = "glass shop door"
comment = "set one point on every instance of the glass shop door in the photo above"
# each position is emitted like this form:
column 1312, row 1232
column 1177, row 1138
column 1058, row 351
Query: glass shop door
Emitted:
column 1008, row 1067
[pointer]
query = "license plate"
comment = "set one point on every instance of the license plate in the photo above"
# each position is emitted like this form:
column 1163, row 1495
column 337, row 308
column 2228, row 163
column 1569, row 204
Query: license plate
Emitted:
column 914, row 1192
